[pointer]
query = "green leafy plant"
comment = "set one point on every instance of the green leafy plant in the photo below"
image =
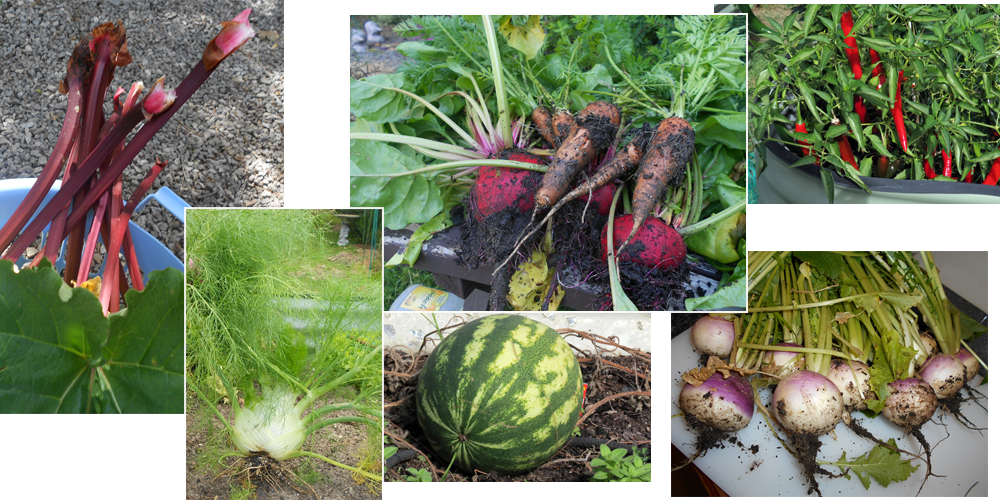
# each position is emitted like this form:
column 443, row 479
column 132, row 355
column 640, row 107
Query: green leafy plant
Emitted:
column 418, row 475
column 881, row 464
column 60, row 354
column 893, row 91
column 653, row 67
column 614, row 466
column 281, row 382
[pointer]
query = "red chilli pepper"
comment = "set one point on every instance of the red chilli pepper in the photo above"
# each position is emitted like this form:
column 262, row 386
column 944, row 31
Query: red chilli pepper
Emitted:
column 946, row 170
column 897, row 113
column 928, row 171
column 994, row 175
column 859, row 107
column 847, row 24
column 968, row 177
column 845, row 152
column 806, row 151
column 878, row 70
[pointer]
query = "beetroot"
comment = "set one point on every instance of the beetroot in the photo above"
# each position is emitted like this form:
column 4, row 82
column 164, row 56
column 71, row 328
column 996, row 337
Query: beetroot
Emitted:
column 602, row 198
column 497, row 188
column 656, row 244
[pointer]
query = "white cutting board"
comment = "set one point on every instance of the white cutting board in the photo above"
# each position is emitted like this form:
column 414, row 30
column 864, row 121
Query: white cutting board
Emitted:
column 962, row 457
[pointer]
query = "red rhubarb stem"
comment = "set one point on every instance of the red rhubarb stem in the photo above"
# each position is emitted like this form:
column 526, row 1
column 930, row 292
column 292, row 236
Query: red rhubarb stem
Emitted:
column 113, row 265
column 51, row 170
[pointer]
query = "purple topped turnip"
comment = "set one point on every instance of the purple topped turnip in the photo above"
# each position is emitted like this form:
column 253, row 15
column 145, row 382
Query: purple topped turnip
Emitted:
column 713, row 335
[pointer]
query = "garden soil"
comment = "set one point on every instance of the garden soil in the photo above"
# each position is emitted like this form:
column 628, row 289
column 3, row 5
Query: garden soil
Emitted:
column 344, row 443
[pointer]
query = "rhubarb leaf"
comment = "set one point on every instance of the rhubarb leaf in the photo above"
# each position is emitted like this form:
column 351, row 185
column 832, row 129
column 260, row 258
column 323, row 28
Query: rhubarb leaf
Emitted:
column 145, row 350
column 54, row 339
column 49, row 333
column 881, row 464
column 406, row 198
column 374, row 99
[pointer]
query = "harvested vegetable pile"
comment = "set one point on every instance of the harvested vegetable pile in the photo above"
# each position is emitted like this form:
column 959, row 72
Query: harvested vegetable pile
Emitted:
column 667, row 148
column 839, row 332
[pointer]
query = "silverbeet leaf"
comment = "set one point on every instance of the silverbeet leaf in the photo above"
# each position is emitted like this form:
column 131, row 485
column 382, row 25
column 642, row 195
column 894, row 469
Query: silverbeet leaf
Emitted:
column 374, row 100
column 406, row 198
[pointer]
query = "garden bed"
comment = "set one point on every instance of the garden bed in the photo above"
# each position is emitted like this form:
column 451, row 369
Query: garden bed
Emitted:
column 613, row 411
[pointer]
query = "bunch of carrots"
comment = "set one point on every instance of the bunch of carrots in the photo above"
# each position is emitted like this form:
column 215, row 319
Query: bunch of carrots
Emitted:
column 659, row 158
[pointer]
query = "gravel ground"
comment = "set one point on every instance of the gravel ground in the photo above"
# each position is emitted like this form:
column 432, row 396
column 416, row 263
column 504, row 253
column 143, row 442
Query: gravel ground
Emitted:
column 225, row 147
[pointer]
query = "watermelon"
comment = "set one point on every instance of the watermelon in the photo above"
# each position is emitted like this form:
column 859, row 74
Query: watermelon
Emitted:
column 500, row 394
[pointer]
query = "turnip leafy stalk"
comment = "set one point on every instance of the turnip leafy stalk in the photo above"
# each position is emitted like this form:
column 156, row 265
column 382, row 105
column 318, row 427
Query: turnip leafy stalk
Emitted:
column 94, row 152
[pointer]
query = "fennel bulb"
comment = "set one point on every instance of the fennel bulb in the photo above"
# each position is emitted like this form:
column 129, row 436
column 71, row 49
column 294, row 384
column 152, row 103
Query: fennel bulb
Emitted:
column 270, row 425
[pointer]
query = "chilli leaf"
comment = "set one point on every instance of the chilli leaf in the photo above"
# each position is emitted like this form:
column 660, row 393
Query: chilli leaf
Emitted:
column 406, row 198
column 881, row 464
column 54, row 340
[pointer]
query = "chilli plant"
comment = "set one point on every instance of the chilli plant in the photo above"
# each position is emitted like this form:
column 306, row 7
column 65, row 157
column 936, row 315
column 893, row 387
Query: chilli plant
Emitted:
column 893, row 91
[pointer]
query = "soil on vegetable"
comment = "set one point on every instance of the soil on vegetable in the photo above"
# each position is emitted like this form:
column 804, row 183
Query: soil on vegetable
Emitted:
column 489, row 240
column 807, row 446
column 207, row 479
column 626, row 420
column 651, row 289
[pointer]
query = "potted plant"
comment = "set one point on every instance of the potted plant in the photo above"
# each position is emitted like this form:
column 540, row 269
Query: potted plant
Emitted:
column 883, row 98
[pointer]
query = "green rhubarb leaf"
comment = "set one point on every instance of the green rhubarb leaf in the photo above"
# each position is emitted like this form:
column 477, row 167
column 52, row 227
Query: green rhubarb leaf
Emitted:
column 406, row 198
column 883, row 465
column 49, row 335
column 374, row 99
column 145, row 350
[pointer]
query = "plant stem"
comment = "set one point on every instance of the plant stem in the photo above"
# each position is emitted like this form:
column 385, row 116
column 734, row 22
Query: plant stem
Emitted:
column 338, row 464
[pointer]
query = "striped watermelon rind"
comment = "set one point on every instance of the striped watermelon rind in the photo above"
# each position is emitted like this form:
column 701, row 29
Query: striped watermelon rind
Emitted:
column 500, row 394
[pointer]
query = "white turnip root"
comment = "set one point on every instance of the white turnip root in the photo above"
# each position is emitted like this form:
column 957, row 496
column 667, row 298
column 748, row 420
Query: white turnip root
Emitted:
column 780, row 363
column 807, row 405
column 945, row 373
column 911, row 403
column 854, row 382
column 713, row 335
column 970, row 362
column 716, row 407
column 806, row 402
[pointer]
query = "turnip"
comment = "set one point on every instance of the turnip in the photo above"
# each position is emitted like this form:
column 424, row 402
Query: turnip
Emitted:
column 807, row 405
column 781, row 363
column 911, row 403
column 945, row 373
column 806, row 402
column 713, row 335
column 970, row 362
column 722, row 403
column 854, row 382
column 716, row 407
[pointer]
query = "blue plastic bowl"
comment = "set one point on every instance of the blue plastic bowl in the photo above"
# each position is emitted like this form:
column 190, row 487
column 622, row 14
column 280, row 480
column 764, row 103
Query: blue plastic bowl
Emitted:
column 152, row 254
